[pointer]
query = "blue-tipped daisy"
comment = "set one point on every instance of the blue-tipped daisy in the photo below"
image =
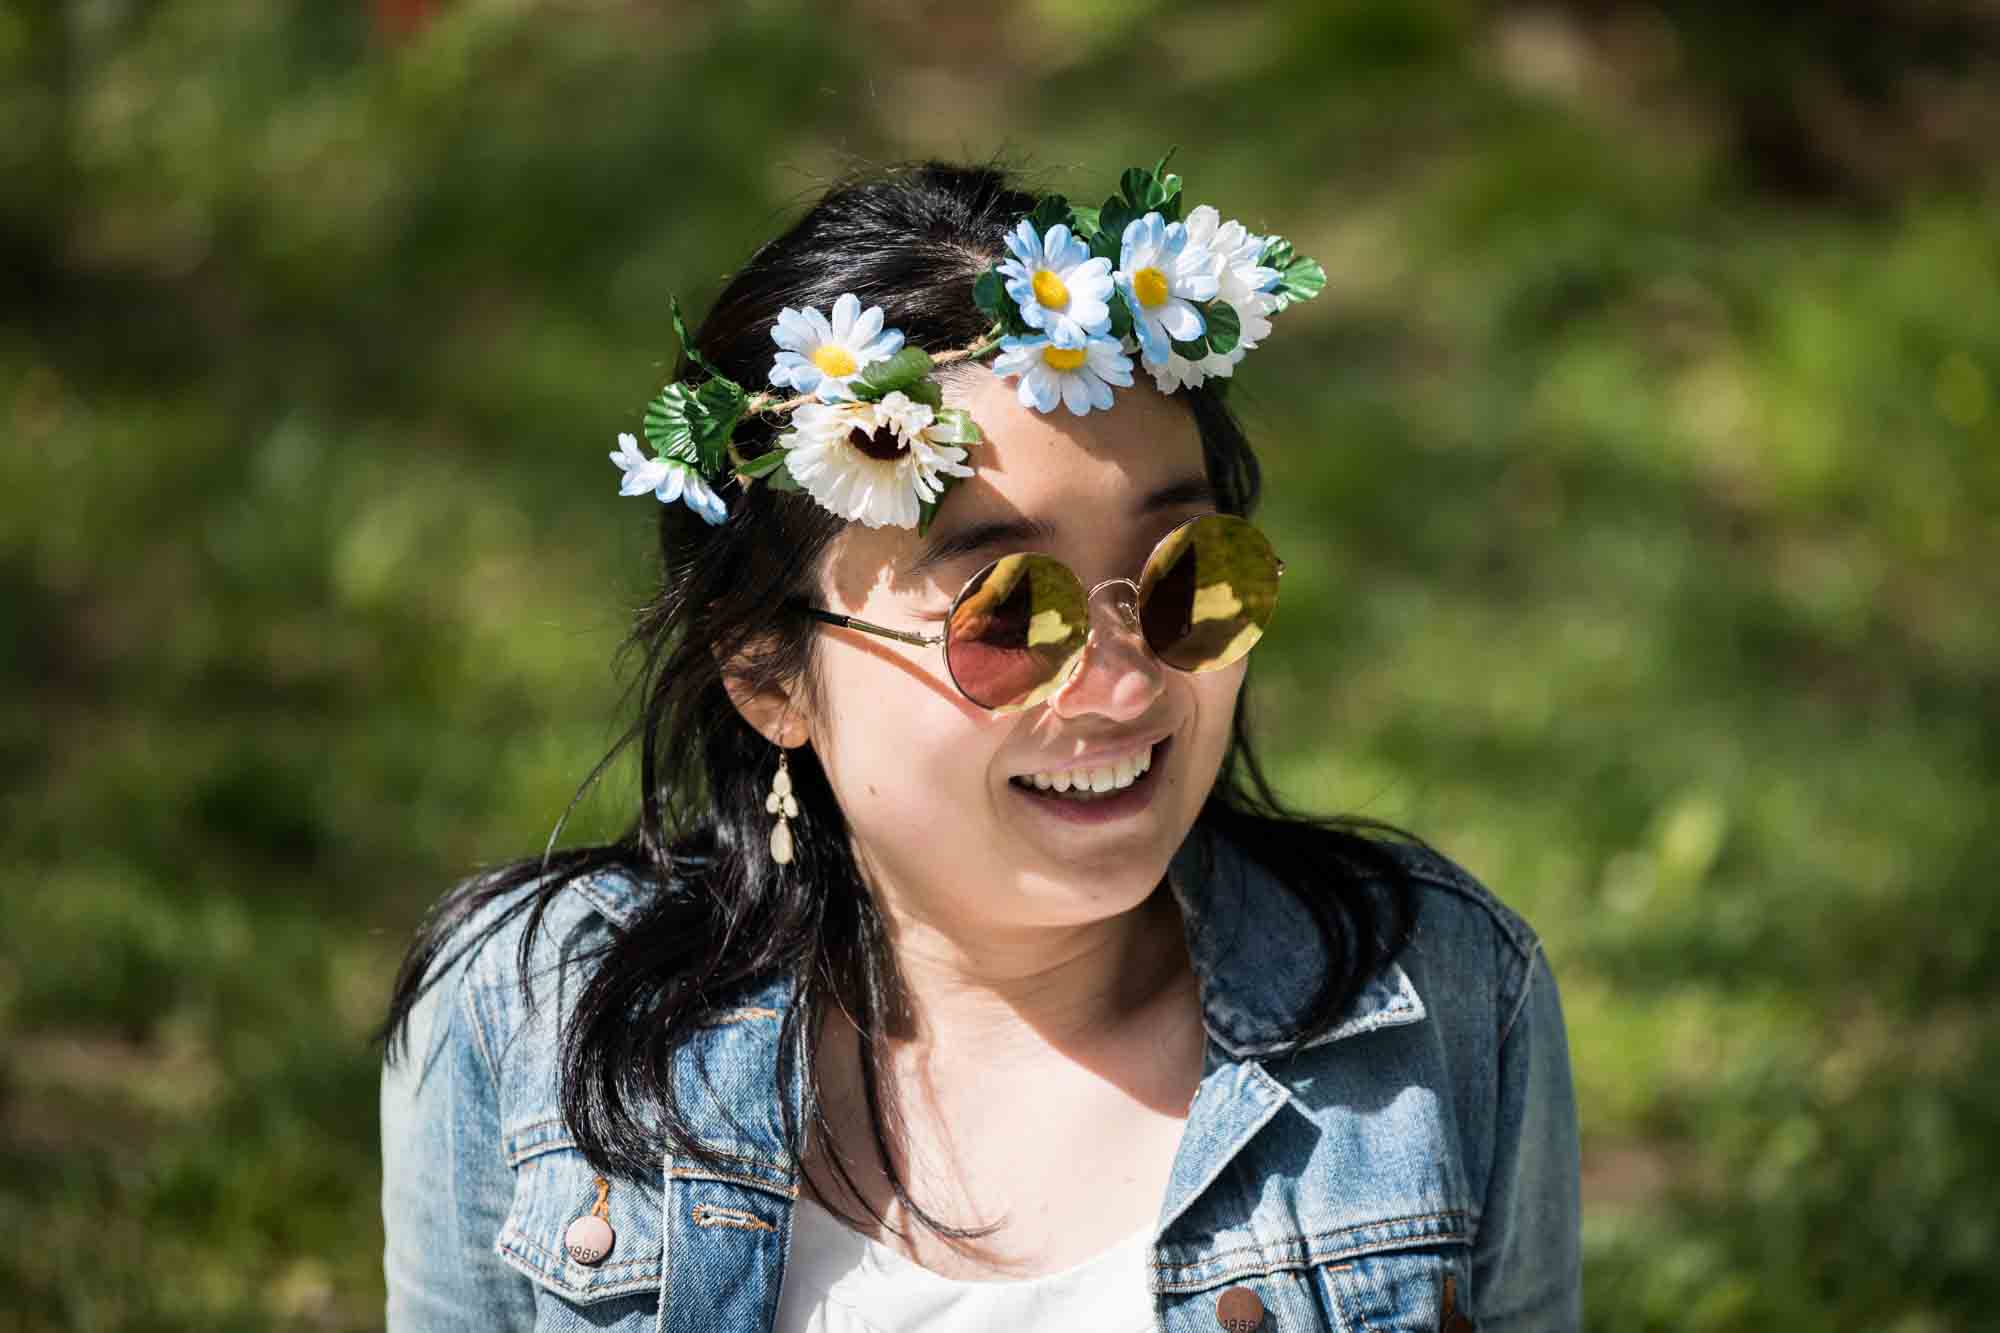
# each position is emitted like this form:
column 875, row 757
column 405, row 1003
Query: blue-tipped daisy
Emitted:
column 819, row 356
column 1060, row 289
column 1080, row 378
column 1162, row 273
column 666, row 478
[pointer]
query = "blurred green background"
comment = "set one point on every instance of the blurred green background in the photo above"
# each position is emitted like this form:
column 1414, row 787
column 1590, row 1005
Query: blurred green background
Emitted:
column 1637, row 470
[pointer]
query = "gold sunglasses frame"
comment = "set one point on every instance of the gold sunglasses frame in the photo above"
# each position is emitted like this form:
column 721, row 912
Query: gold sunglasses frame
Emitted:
column 938, row 640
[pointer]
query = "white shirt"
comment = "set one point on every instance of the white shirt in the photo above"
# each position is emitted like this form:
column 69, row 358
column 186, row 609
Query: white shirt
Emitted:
column 840, row 1281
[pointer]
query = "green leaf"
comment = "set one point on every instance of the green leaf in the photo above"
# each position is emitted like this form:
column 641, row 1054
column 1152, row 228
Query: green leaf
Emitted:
column 721, row 394
column 1193, row 351
column 954, row 425
column 1112, row 219
column 1301, row 280
column 667, row 425
column 1121, row 314
column 712, row 416
column 878, row 379
column 781, row 479
column 989, row 293
column 764, row 464
column 1277, row 253
column 1142, row 189
column 1225, row 328
column 927, row 392
column 687, row 344
column 927, row 509
column 1086, row 221
column 1051, row 210
column 1170, row 186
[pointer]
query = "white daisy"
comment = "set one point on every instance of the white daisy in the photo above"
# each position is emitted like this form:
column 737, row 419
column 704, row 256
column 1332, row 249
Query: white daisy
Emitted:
column 1241, row 281
column 666, row 478
column 819, row 357
column 1162, row 273
column 1235, row 251
column 1078, row 377
column 871, row 461
column 1060, row 289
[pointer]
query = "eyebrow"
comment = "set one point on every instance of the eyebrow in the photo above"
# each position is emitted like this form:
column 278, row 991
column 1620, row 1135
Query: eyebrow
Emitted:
column 1189, row 490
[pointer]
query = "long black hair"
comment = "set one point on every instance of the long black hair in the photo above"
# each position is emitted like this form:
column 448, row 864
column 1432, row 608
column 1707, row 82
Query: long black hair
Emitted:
column 725, row 916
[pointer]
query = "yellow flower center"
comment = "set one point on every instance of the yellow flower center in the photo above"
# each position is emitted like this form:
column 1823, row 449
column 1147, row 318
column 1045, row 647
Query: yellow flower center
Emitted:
column 833, row 360
column 1150, row 286
column 1050, row 291
column 1064, row 358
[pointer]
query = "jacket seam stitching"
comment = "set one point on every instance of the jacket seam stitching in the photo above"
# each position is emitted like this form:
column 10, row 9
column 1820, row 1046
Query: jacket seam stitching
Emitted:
column 1527, row 988
column 738, row 1157
column 1459, row 1237
column 1519, row 934
column 610, row 906
column 520, row 1130
column 520, row 1156
column 1442, row 1215
column 468, row 1000
column 698, row 1172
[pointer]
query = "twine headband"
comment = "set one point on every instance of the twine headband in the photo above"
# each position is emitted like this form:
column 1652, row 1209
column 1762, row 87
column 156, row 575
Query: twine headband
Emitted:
column 1084, row 291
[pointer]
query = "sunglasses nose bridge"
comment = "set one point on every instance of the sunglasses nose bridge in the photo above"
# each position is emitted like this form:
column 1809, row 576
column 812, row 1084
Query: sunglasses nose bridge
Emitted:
column 1127, row 607
column 1126, row 612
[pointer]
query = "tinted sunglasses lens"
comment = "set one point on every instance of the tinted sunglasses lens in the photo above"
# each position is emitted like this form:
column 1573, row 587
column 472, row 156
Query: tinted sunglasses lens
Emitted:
column 1013, row 630
column 1208, row 592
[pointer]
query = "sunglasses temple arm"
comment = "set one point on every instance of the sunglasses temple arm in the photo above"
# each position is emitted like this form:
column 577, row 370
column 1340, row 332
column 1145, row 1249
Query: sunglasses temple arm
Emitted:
column 849, row 622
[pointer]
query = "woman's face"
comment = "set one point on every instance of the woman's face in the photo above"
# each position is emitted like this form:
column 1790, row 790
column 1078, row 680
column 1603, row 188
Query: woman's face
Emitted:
column 925, row 777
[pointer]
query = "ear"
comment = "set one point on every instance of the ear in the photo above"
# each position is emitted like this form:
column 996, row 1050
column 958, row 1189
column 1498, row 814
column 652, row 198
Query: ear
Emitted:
column 772, row 710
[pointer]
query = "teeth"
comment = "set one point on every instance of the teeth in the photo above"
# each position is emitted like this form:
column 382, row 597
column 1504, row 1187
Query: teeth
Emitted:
column 1113, row 777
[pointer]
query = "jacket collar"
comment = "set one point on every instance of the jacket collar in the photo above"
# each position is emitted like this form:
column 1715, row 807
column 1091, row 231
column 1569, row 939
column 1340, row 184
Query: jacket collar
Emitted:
column 1258, row 953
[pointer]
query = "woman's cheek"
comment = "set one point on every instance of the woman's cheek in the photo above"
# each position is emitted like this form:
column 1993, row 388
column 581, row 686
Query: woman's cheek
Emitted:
column 901, row 740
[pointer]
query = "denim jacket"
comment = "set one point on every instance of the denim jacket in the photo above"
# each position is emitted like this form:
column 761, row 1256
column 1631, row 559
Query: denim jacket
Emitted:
column 1416, row 1168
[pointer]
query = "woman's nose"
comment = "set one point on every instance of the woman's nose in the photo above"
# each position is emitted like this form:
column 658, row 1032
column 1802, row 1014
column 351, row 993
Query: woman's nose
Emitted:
column 1117, row 674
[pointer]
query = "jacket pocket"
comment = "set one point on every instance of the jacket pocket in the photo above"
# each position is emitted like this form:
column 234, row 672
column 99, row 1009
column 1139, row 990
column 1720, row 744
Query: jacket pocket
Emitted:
column 554, row 1186
column 1425, row 1288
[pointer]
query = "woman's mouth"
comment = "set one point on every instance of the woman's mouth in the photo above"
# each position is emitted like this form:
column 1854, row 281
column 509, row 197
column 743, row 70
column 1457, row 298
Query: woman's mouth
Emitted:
column 1094, row 794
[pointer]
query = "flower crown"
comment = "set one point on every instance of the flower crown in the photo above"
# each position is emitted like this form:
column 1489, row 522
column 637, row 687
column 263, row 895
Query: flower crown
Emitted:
column 1085, row 290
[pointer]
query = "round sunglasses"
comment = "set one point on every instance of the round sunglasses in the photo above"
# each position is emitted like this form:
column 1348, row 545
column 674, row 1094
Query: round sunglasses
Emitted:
column 1017, row 629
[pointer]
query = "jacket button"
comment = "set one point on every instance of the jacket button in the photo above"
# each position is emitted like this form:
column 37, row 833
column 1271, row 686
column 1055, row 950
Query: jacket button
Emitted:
column 589, row 1239
column 1239, row 1310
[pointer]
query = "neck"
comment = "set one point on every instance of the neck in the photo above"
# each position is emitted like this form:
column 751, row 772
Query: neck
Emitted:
column 977, row 994
column 1072, row 1017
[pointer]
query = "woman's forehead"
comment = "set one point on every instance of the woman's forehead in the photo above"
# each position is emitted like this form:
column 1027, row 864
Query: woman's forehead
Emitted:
column 1033, row 461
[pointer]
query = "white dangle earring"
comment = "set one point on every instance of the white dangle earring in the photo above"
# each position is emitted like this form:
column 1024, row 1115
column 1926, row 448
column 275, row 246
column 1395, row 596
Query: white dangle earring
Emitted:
column 785, row 806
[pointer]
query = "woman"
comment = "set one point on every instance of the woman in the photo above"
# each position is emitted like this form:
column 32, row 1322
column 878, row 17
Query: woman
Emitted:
column 960, row 969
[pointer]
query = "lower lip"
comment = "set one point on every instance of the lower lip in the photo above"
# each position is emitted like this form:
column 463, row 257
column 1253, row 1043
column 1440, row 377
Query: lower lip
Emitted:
column 1104, row 810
